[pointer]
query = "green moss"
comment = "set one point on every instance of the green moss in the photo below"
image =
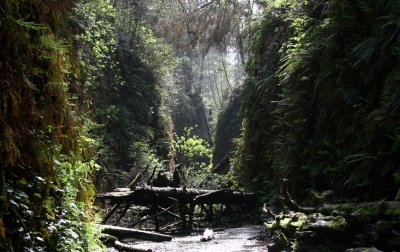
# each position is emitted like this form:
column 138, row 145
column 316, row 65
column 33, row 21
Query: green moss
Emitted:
column 288, row 224
column 338, row 223
column 392, row 211
column 299, row 220
column 40, row 131
column 321, row 80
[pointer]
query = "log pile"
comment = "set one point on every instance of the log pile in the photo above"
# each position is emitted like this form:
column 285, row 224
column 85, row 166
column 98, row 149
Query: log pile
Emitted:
column 161, row 200
column 166, row 198
column 167, row 195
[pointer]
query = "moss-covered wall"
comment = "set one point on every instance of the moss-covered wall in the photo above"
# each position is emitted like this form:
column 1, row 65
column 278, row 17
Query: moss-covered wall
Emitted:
column 322, row 92
column 74, row 98
column 45, row 157
column 228, row 128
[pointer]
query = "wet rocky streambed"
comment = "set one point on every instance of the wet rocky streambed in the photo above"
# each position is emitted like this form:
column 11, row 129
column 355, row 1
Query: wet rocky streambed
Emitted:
column 230, row 239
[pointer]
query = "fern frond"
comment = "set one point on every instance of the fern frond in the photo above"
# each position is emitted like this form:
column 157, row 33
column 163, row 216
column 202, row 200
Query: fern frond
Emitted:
column 31, row 25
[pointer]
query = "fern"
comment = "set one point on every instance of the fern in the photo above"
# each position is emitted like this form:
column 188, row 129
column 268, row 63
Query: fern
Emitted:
column 31, row 25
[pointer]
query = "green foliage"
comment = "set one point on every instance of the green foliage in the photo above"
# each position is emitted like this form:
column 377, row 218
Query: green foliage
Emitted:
column 125, row 112
column 192, row 146
column 155, row 52
column 97, row 37
column 46, row 200
column 78, row 95
column 195, row 154
column 321, row 98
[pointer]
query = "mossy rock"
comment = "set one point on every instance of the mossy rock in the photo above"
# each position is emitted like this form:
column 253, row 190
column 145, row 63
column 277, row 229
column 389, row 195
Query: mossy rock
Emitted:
column 320, row 222
column 283, row 221
column 301, row 221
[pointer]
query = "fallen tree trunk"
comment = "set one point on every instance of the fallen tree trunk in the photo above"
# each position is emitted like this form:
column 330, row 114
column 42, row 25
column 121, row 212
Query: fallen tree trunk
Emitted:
column 122, row 233
column 165, row 195
column 130, row 248
column 112, row 240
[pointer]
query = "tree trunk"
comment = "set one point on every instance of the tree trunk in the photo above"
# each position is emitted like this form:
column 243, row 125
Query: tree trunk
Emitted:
column 125, row 247
column 122, row 233
column 167, row 196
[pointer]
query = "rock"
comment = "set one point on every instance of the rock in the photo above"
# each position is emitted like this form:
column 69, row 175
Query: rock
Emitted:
column 383, row 228
column 279, row 243
column 289, row 223
column 322, row 224
column 306, row 236
column 208, row 235
column 388, row 236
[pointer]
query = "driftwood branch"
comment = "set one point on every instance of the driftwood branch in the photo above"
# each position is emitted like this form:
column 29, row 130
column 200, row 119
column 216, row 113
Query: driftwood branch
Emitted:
column 123, row 212
column 110, row 213
column 154, row 216
column 170, row 213
column 289, row 202
column 138, row 177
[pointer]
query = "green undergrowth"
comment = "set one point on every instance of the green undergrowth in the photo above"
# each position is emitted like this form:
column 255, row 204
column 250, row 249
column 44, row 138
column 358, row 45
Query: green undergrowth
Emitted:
column 321, row 100
column 46, row 155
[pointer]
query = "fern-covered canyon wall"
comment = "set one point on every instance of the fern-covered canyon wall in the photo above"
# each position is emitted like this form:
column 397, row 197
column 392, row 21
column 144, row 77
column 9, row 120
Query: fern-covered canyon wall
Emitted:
column 81, row 104
column 45, row 157
column 321, row 99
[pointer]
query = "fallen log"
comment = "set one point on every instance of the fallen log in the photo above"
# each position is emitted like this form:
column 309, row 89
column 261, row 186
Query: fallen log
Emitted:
column 164, row 196
column 123, row 233
column 130, row 248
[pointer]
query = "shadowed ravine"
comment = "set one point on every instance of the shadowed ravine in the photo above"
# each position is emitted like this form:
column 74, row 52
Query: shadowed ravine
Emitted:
column 275, row 123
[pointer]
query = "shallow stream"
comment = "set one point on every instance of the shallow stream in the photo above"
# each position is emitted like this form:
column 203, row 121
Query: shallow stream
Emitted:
column 231, row 239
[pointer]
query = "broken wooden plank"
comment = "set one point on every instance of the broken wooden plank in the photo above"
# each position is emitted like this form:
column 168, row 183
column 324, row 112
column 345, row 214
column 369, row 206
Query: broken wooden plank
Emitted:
column 123, row 233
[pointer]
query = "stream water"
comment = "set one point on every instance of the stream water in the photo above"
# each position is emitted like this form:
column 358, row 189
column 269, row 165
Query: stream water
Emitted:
column 231, row 239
